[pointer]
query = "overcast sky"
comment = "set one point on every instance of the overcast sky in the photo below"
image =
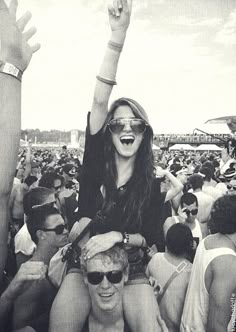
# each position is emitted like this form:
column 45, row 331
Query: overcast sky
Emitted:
column 179, row 62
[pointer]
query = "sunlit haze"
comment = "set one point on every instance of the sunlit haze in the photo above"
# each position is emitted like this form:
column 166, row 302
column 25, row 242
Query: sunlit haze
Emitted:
column 179, row 62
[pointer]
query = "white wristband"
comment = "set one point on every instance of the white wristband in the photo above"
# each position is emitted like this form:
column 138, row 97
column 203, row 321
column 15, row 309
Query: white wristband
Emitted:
column 9, row 69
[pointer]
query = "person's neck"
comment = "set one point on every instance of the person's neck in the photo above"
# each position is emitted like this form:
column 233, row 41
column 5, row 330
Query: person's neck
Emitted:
column 107, row 319
column 44, row 253
column 232, row 240
column 207, row 183
column 125, row 169
column 191, row 224
column 173, row 258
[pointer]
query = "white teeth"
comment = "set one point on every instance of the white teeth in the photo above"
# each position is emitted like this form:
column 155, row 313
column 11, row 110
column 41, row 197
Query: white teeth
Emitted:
column 128, row 139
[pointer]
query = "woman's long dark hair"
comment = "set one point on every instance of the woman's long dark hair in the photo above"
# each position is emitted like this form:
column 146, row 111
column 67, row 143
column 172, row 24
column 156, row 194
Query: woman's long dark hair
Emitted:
column 142, row 177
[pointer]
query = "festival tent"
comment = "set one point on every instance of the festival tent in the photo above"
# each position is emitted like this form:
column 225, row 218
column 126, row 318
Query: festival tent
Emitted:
column 155, row 147
column 186, row 147
column 208, row 147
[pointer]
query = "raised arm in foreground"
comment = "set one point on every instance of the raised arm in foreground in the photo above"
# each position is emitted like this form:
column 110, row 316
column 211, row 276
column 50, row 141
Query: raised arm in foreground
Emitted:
column 15, row 55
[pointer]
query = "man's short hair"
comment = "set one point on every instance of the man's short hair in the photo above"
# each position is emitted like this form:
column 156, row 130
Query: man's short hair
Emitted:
column 36, row 219
column 179, row 239
column 188, row 199
column 207, row 172
column 196, row 181
column 116, row 255
column 223, row 215
column 36, row 196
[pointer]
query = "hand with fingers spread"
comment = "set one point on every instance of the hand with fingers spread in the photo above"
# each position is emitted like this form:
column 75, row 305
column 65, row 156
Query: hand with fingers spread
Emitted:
column 15, row 48
column 119, row 14
column 100, row 243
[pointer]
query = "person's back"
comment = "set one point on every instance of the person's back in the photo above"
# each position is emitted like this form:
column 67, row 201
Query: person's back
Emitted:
column 214, row 192
column 171, row 271
column 205, row 203
column 161, row 267
column 196, row 307
column 17, row 210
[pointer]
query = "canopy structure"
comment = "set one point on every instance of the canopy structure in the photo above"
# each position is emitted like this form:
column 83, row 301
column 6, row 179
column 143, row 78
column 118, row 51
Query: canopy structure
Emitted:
column 229, row 120
column 155, row 147
column 186, row 147
column 208, row 147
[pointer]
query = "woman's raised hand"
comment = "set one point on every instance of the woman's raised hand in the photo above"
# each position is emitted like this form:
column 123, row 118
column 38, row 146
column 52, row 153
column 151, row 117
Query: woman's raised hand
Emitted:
column 119, row 14
column 14, row 39
column 100, row 243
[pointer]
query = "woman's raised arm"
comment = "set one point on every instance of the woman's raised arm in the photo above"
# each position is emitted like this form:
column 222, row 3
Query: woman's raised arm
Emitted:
column 119, row 18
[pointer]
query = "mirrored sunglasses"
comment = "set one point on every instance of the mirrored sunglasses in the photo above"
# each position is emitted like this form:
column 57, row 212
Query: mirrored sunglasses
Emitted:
column 58, row 229
column 138, row 126
column 114, row 277
column 193, row 212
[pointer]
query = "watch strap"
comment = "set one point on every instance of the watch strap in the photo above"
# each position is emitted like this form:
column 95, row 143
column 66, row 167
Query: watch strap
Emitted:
column 10, row 69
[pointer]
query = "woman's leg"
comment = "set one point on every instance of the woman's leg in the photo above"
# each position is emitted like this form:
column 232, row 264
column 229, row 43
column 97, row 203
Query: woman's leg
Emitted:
column 71, row 306
column 141, row 310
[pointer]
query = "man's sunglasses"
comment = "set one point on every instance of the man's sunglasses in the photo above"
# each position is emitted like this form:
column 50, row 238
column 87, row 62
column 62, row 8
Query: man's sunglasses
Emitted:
column 193, row 212
column 45, row 205
column 138, row 126
column 58, row 229
column 229, row 186
column 114, row 277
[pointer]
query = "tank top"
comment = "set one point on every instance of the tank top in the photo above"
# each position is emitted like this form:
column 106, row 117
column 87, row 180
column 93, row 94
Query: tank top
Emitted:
column 196, row 231
column 196, row 305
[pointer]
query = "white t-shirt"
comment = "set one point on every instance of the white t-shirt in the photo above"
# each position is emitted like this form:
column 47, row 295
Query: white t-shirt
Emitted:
column 23, row 242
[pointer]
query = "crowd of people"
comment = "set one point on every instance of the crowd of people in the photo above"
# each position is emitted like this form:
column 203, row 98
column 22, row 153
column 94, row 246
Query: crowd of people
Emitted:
column 119, row 239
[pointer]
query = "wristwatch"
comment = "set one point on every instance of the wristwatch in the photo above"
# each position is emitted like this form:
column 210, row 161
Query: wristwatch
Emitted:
column 125, row 238
column 10, row 69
